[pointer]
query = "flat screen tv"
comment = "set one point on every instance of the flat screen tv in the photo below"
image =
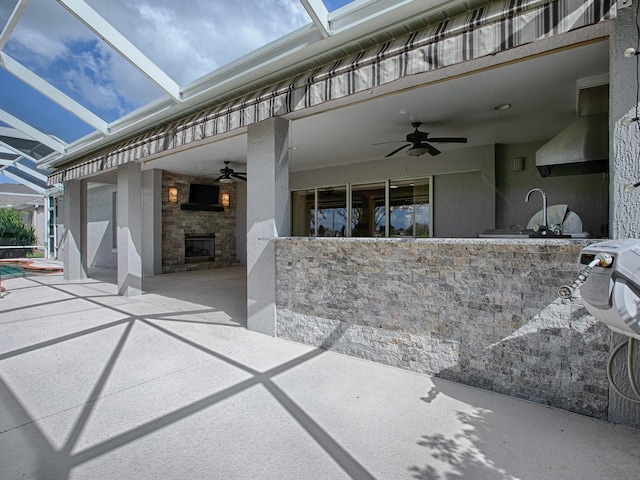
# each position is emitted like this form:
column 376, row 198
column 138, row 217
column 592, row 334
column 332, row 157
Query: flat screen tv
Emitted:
column 200, row 194
column 203, row 198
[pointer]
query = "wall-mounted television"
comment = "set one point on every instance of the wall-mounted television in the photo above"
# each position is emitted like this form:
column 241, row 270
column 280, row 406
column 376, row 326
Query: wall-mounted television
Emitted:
column 204, row 194
column 203, row 197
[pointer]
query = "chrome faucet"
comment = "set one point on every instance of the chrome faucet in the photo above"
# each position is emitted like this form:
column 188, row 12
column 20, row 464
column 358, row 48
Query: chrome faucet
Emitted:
column 545, row 223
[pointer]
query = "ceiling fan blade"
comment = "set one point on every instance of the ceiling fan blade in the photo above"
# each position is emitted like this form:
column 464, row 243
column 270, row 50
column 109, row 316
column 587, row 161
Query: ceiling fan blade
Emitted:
column 240, row 173
column 433, row 151
column 397, row 150
column 239, row 176
column 449, row 139
column 386, row 143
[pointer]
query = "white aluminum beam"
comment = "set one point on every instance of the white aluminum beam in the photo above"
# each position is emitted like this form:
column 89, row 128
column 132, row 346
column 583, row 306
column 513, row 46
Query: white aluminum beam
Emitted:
column 18, row 152
column 32, row 132
column 12, row 21
column 7, row 150
column 48, row 90
column 23, row 181
column 103, row 29
column 319, row 14
column 30, row 171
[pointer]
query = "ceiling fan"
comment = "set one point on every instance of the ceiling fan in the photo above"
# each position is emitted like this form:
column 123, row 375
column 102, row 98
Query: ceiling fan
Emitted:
column 418, row 142
column 228, row 175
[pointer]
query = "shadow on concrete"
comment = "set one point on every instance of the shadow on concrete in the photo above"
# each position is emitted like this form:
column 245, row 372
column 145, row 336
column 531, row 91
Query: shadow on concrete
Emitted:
column 224, row 289
column 495, row 436
column 57, row 463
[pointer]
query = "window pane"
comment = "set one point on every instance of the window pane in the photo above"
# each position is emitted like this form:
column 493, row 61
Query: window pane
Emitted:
column 332, row 212
column 302, row 213
column 409, row 208
column 368, row 216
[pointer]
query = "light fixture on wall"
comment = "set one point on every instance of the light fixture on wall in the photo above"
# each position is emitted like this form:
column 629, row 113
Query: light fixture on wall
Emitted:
column 631, row 52
column 173, row 194
column 626, row 121
column 224, row 200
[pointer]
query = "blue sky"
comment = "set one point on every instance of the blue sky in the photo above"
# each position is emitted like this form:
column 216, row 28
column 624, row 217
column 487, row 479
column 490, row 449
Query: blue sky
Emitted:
column 335, row 4
column 185, row 39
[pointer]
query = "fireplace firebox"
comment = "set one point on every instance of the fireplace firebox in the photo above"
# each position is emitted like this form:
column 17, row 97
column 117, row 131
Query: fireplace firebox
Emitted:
column 199, row 248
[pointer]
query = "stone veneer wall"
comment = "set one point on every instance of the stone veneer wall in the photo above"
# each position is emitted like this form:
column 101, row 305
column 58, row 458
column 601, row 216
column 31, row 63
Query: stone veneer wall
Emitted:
column 177, row 223
column 480, row 312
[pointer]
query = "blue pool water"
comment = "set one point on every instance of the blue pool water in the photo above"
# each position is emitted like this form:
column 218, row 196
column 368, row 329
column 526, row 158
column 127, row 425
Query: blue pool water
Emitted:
column 13, row 270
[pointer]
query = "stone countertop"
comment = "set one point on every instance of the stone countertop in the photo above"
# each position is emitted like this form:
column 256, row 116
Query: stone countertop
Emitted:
column 470, row 241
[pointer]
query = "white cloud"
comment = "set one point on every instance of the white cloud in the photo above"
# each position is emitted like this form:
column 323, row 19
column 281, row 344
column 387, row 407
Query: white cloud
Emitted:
column 186, row 39
column 43, row 32
column 190, row 39
column 91, row 80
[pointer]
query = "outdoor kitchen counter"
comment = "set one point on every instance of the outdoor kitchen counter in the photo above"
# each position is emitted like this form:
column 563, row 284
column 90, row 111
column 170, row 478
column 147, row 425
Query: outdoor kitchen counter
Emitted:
column 484, row 312
column 516, row 245
column 475, row 240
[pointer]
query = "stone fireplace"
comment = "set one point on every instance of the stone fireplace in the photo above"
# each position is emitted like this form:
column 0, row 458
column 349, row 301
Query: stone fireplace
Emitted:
column 196, row 239
column 199, row 248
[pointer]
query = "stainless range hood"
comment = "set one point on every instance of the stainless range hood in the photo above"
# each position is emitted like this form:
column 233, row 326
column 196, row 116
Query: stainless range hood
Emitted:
column 582, row 147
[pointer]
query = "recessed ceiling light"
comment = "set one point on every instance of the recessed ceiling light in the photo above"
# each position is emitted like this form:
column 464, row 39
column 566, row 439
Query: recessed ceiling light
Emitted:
column 504, row 106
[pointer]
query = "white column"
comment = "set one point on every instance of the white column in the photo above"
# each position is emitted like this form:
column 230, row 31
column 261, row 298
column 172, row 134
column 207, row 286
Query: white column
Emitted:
column 152, row 221
column 267, row 217
column 74, row 214
column 241, row 223
column 129, row 219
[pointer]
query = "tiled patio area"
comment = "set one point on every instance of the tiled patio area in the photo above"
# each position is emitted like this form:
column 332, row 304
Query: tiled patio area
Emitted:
column 170, row 385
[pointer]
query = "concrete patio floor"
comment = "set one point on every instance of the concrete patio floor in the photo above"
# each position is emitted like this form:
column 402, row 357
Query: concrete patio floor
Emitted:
column 170, row 385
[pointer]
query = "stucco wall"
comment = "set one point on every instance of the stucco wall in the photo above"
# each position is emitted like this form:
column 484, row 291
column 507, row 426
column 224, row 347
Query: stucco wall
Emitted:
column 623, row 151
column 38, row 222
column 241, row 223
column 460, row 206
column 587, row 194
column 480, row 312
column 100, row 243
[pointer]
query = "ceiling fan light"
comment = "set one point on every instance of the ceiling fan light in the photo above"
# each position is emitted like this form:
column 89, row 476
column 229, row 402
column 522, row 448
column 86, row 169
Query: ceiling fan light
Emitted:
column 417, row 151
column 226, row 180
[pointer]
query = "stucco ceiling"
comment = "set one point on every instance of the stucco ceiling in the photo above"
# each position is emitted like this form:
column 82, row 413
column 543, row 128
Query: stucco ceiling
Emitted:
column 542, row 91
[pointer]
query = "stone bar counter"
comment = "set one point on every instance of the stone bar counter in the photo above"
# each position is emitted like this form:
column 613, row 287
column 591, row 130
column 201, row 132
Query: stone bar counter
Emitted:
column 483, row 312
